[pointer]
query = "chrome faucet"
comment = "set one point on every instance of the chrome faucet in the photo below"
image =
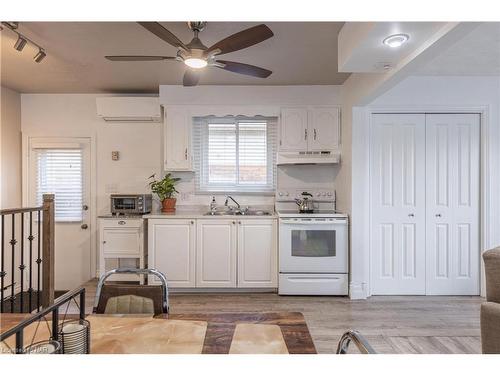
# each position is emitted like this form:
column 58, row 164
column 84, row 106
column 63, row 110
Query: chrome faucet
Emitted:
column 228, row 197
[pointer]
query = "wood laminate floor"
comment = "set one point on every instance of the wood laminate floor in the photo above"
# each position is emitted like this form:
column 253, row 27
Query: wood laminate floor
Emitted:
column 392, row 324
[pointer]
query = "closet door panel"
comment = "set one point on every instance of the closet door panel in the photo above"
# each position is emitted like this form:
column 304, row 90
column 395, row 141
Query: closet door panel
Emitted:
column 398, row 204
column 452, row 190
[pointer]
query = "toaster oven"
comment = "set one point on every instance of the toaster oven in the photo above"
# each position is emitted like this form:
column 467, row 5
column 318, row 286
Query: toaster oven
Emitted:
column 131, row 204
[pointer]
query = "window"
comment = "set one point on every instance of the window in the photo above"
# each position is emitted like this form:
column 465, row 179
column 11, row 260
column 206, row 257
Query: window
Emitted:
column 234, row 154
column 59, row 171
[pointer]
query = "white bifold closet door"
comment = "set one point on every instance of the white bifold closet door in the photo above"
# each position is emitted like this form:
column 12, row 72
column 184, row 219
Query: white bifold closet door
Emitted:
column 398, row 204
column 452, row 227
column 425, row 173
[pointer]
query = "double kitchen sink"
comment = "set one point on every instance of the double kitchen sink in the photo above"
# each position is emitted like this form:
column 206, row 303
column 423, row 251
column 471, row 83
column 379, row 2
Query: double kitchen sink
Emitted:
column 238, row 212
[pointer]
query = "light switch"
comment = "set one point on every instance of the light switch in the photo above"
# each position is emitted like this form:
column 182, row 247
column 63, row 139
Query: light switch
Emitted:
column 115, row 155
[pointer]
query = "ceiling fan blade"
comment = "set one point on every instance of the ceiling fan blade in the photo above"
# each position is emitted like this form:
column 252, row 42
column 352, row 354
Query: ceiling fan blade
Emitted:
column 191, row 77
column 163, row 33
column 243, row 39
column 139, row 58
column 249, row 70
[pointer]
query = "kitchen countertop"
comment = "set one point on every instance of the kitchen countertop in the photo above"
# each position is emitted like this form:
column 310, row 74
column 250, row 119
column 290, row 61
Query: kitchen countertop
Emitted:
column 120, row 217
column 198, row 212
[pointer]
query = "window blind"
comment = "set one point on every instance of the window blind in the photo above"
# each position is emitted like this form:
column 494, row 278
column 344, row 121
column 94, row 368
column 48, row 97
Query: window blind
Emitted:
column 60, row 172
column 234, row 154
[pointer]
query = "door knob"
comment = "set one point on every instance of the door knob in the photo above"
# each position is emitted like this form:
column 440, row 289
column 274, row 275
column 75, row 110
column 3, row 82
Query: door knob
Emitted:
column 84, row 226
column 85, row 207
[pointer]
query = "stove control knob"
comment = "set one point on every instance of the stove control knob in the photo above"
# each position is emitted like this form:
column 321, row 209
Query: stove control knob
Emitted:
column 329, row 194
column 287, row 194
column 318, row 194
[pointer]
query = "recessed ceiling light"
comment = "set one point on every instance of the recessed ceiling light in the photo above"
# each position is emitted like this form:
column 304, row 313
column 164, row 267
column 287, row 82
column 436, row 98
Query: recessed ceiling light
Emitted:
column 396, row 40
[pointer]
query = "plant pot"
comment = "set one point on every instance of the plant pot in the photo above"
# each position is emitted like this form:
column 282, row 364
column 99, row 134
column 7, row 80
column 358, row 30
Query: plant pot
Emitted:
column 168, row 205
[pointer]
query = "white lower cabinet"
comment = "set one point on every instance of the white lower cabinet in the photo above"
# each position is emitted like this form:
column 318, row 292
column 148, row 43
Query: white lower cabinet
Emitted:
column 171, row 250
column 121, row 244
column 257, row 255
column 214, row 253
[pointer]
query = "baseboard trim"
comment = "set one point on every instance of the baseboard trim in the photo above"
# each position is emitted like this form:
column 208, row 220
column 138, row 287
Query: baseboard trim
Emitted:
column 358, row 290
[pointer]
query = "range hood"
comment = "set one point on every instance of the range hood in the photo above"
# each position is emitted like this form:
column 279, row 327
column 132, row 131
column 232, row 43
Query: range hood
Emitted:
column 308, row 157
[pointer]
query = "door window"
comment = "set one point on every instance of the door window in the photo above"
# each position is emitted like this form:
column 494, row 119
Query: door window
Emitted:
column 313, row 243
column 60, row 172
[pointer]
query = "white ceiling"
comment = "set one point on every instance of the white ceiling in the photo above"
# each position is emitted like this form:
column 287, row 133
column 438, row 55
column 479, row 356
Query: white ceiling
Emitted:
column 362, row 49
column 478, row 53
column 300, row 53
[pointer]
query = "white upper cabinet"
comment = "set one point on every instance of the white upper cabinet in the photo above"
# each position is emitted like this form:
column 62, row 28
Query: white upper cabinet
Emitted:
column 293, row 129
column 177, row 140
column 323, row 128
column 310, row 128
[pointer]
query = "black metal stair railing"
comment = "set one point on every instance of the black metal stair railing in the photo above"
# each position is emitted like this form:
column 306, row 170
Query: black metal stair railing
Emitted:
column 30, row 271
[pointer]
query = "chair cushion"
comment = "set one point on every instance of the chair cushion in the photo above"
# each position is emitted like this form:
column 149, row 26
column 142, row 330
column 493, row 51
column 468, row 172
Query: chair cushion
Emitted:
column 492, row 271
column 129, row 304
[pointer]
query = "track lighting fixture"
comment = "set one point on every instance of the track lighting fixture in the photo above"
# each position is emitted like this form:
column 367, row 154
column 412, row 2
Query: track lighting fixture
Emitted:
column 20, row 43
column 40, row 55
column 22, row 40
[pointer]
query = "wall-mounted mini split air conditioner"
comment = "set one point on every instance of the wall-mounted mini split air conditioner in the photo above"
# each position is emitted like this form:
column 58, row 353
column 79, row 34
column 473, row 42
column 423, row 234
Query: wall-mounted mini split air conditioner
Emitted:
column 129, row 109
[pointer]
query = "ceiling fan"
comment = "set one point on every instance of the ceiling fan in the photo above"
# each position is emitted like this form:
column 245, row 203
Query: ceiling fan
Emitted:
column 197, row 56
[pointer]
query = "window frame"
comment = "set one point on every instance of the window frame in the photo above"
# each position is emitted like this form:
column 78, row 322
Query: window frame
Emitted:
column 200, row 134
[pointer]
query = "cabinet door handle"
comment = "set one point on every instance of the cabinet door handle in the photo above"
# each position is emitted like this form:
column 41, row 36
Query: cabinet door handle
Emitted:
column 305, row 134
column 411, row 215
column 234, row 222
column 314, row 131
column 438, row 215
column 186, row 154
column 239, row 222
column 192, row 222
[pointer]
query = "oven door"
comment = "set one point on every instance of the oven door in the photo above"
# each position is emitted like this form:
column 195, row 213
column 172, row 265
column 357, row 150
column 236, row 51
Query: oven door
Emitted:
column 313, row 245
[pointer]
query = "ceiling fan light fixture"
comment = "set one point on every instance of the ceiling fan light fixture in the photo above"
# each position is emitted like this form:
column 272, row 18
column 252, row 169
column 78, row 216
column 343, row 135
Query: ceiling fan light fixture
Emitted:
column 195, row 63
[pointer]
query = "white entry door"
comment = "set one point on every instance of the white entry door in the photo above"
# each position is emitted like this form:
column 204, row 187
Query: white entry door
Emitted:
column 452, row 176
column 62, row 166
column 398, row 204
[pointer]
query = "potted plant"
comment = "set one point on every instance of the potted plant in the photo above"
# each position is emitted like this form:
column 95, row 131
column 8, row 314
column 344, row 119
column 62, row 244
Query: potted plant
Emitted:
column 165, row 190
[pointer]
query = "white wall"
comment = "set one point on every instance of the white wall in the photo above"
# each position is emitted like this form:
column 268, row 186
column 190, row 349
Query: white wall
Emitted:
column 10, row 148
column 425, row 93
column 74, row 115
column 140, row 145
column 10, row 171
column 225, row 99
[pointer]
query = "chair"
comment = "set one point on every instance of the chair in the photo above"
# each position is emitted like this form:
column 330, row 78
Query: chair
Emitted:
column 490, row 310
column 357, row 338
column 131, row 298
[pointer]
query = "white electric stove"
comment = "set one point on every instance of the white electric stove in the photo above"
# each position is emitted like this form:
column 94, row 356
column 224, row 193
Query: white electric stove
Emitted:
column 313, row 250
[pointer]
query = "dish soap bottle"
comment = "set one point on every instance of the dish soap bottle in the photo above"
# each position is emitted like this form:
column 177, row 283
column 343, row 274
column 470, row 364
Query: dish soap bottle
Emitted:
column 213, row 205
